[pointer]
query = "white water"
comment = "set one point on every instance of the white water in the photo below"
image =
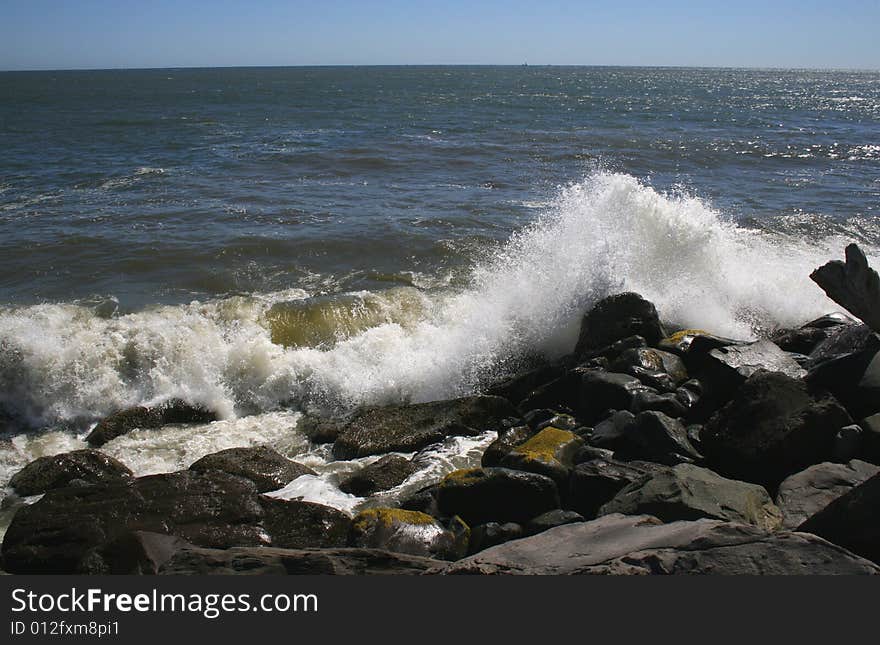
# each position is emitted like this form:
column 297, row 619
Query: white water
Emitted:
column 606, row 234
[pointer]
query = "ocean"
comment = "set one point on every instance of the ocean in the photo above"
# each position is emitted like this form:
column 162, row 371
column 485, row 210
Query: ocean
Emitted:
column 268, row 241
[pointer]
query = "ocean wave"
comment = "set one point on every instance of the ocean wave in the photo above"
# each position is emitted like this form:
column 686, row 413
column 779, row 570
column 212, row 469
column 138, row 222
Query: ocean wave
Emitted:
column 608, row 233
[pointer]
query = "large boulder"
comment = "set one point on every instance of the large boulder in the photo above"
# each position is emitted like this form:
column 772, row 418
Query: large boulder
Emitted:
column 274, row 561
column 58, row 533
column 173, row 411
column 501, row 495
column 595, row 482
column 775, row 426
column 410, row 532
column 405, row 428
column 853, row 378
column 77, row 468
column 687, row 492
column 600, row 391
column 804, row 494
column 852, row 520
column 550, row 452
column 268, row 469
column 387, row 472
column 641, row 544
column 617, row 317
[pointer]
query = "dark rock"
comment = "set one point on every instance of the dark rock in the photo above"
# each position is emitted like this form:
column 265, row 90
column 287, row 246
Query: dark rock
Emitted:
column 843, row 341
column 496, row 495
column 295, row 524
column 534, row 418
column 409, row 532
column 404, row 428
column 668, row 404
column 847, row 444
column 617, row 317
column 657, row 437
column 320, row 430
column 611, row 433
column 852, row 520
column 506, row 441
column 562, row 392
column 687, row 492
column 132, row 553
column 633, row 545
column 601, row 391
column 268, row 469
column 560, row 421
column 388, row 472
column 800, row 341
column 774, row 427
column 517, row 388
column 853, row 285
column 173, row 411
column 423, row 500
column 854, row 377
column 691, row 343
column 869, row 448
column 647, row 361
column 806, row 493
column 274, row 561
column 593, row 483
column 58, row 471
column 550, row 519
column 490, row 534
column 729, row 367
column 550, row 452
column 834, row 319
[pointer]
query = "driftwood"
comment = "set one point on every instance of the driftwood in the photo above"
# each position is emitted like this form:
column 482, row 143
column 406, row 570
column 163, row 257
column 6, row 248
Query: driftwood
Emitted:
column 853, row 285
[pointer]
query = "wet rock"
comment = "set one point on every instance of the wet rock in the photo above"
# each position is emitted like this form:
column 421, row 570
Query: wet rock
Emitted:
column 405, row 428
column 517, row 388
column 691, row 343
column 595, row 482
column 560, row 393
column 423, row 500
column 496, row 495
column 852, row 520
column 409, row 532
column 611, row 433
column 561, row 422
column 847, row 444
column 869, row 446
column 388, row 472
column 852, row 284
column 550, row 519
column 320, row 430
column 843, row 341
column 601, row 391
column 804, row 494
column 646, row 361
column 657, row 437
column 800, row 341
column 774, row 427
column 295, row 524
column 668, row 404
column 506, row 441
column 80, row 467
column 730, row 366
column 132, row 553
column 617, row 317
column 550, row 452
column 268, row 469
column 853, row 378
column 687, row 492
column 274, row 561
column 490, row 534
column 638, row 545
column 173, row 411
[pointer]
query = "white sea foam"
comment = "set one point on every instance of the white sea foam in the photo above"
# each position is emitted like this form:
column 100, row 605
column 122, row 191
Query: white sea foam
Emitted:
column 606, row 234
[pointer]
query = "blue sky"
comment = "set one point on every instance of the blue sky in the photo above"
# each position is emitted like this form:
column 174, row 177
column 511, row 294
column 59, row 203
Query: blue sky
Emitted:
column 60, row 34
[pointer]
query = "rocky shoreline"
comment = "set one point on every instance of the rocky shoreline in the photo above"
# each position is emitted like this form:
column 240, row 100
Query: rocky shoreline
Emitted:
column 647, row 450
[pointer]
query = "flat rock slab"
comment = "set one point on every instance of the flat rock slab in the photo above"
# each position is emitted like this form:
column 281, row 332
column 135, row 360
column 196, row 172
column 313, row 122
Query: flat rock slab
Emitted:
column 274, row 561
column 806, row 493
column 406, row 428
column 638, row 545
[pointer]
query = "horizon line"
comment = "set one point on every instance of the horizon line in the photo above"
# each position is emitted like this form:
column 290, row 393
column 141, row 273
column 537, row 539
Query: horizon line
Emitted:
column 358, row 65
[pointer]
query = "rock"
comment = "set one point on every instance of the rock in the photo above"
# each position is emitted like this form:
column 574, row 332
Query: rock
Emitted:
column 854, row 379
column 800, row 341
column 296, row 524
column 774, row 427
column 550, row 519
column 601, row 391
column 320, row 430
column 869, row 448
column 132, row 553
column 804, row 494
column 550, row 452
column 560, row 393
column 852, row 520
column 728, row 367
column 534, row 418
column 641, row 544
column 387, row 472
column 173, row 411
column 684, row 341
column 274, row 561
column 657, row 437
column 405, row 428
column 843, row 341
column 687, row 492
column 59, row 533
column 517, row 388
column 617, row 317
column 595, row 482
column 423, row 500
column 486, row 535
column 409, row 532
column 506, row 441
column 847, row 444
column 611, row 433
column 561, row 422
column 668, row 404
column 268, row 469
column 645, row 361
column 853, row 285
column 79, row 467
column 496, row 495
column 834, row 319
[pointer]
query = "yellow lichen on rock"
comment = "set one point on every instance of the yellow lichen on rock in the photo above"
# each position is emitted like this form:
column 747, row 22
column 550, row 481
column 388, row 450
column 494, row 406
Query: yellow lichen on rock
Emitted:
column 388, row 517
column 462, row 477
column 544, row 445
